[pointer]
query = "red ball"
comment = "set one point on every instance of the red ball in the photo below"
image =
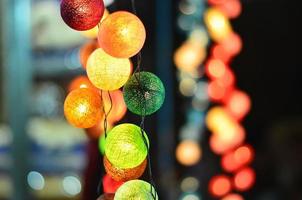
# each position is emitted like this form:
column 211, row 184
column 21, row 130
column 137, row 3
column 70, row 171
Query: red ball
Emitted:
column 82, row 15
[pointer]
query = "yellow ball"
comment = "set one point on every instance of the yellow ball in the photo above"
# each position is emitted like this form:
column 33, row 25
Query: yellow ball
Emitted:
column 122, row 34
column 83, row 107
column 106, row 72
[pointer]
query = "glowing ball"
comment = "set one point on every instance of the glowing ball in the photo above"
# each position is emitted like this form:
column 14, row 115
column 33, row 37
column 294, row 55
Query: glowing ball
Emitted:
column 144, row 93
column 189, row 56
column 125, row 146
column 110, row 185
column 80, row 82
column 118, row 109
column 220, row 185
column 82, row 14
column 122, row 34
column 106, row 72
column 218, row 25
column 219, row 52
column 238, row 104
column 136, row 189
column 233, row 197
column 244, row 179
column 119, row 174
column 188, row 152
column 217, row 91
column 86, row 50
column 234, row 160
column 93, row 33
column 83, row 107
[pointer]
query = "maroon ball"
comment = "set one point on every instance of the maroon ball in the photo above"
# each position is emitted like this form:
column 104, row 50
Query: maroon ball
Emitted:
column 82, row 15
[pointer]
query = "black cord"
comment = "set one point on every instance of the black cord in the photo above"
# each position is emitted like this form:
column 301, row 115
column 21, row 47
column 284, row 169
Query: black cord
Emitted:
column 106, row 114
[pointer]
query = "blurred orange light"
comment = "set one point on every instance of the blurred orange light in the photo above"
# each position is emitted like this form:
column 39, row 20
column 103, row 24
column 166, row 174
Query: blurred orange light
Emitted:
column 189, row 56
column 228, row 78
column 96, row 131
column 231, row 8
column 80, row 82
column 215, row 2
column 244, row 179
column 220, row 185
column 216, row 90
column 188, row 152
column 232, row 44
column 238, row 104
column 233, row 197
column 86, row 50
column 215, row 68
column 83, row 107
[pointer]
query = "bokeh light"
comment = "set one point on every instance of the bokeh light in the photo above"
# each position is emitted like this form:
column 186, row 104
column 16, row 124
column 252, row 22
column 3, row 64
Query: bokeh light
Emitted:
column 188, row 152
column 189, row 184
column 106, row 72
column 189, row 56
column 83, row 108
column 231, row 8
column 220, row 185
column 35, row 180
column 122, row 34
column 215, row 68
column 188, row 87
column 219, row 52
column 232, row 44
column 72, row 185
column 238, row 104
column 244, row 179
column 218, row 25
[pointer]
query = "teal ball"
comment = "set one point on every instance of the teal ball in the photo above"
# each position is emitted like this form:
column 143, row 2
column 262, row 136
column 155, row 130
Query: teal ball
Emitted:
column 144, row 93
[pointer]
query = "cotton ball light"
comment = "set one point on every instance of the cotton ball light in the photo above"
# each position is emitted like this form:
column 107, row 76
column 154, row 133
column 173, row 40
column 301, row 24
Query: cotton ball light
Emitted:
column 125, row 146
column 137, row 189
column 122, row 34
column 144, row 93
column 82, row 15
column 106, row 72
column 83, row 107
column 80, row 82
column 119, row 174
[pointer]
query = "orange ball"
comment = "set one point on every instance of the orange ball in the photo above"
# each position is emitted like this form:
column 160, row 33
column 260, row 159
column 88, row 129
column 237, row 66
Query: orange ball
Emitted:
column 80, row 82
column 220, row 185
column 86, row 50
column 188, row 152
column 83, row 107
column 119, row 107
column 122, row 34
column 119, row 174
column 244, row 179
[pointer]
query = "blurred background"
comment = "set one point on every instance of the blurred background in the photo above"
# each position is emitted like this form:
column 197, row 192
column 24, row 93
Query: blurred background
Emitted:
column 43, row 157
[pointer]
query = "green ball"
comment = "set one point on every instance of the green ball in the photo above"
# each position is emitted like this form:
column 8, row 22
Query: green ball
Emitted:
column 147, row 98
column 135, row 189
column 125, row 147
column 102, row 142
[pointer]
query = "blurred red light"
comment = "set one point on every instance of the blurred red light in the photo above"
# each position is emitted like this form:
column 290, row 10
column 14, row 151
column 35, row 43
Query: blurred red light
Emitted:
column 234, row 160
column 215, row 68
column 232, row 44
column 244, row 179
column 220, row 185
column 219, row 52
column 110, row 185
column 231, row 8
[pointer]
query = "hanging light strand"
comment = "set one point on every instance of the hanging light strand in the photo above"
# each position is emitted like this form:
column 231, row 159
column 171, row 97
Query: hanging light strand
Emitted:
column 143, row 113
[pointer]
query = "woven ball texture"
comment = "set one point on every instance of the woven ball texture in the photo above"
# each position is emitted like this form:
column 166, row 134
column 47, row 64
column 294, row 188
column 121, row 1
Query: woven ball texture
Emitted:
column 144, row 93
